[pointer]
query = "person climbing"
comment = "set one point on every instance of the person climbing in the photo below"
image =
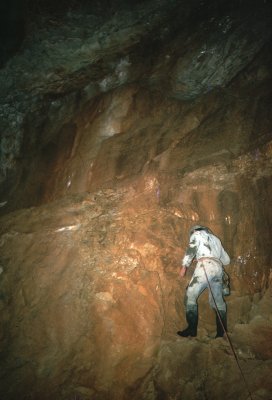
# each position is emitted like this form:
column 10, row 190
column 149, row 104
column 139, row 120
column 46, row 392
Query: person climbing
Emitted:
column 210, row 255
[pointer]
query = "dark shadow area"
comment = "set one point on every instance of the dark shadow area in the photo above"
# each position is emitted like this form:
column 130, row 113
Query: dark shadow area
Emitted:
column 12, row 28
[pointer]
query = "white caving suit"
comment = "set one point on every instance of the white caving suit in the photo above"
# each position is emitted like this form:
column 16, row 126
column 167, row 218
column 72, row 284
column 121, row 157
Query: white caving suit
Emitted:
column 207, row 249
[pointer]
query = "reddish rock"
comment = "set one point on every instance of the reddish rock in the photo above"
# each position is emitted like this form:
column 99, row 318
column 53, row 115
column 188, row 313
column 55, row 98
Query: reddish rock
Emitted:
column 105, row 168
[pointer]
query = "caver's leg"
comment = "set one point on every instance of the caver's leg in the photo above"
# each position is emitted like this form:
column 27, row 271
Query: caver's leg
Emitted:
column 216, row 287
column 219, row 328
column 195, row 288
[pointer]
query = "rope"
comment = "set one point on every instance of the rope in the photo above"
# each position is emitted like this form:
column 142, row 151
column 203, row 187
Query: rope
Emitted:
column 228, row 338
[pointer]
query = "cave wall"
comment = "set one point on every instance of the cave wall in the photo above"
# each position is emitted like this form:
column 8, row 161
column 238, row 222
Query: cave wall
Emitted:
column 116, row 139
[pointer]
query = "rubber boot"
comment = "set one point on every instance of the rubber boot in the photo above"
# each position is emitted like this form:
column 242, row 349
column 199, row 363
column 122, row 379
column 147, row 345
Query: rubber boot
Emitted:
column 220, row 331
column 192, row 320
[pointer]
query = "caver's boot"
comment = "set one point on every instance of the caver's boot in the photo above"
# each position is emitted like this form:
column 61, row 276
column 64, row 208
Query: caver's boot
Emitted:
column 220, row 330
column 192, row 320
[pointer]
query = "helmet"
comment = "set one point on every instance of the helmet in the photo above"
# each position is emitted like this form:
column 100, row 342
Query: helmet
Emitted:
column 199, row 228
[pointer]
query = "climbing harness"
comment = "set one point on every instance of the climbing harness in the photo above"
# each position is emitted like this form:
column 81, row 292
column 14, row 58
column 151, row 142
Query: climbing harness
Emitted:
column 227, row 336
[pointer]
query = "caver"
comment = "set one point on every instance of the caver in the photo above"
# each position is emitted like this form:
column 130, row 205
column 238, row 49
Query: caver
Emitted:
column 207, row 249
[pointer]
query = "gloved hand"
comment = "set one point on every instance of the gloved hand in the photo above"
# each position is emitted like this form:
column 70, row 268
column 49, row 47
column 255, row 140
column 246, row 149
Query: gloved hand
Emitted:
column 182, row 272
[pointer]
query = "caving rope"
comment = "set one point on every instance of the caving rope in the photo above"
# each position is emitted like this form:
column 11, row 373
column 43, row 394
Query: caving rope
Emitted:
column 227, row 336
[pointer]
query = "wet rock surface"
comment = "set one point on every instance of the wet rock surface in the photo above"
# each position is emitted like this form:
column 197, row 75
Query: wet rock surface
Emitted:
column 119, row 131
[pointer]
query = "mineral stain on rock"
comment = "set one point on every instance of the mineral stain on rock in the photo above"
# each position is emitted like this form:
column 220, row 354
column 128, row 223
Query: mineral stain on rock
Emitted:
column 122, row 125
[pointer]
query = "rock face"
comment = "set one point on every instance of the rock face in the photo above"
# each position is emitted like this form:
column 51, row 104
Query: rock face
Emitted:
column 118, row 134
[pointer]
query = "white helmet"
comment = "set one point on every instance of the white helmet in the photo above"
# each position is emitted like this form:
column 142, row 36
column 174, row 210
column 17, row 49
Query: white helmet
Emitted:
column 199, row 228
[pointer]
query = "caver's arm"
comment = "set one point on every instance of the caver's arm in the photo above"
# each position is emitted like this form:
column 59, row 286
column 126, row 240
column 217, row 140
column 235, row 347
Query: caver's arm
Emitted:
column 224, row 257
column 190, row 251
